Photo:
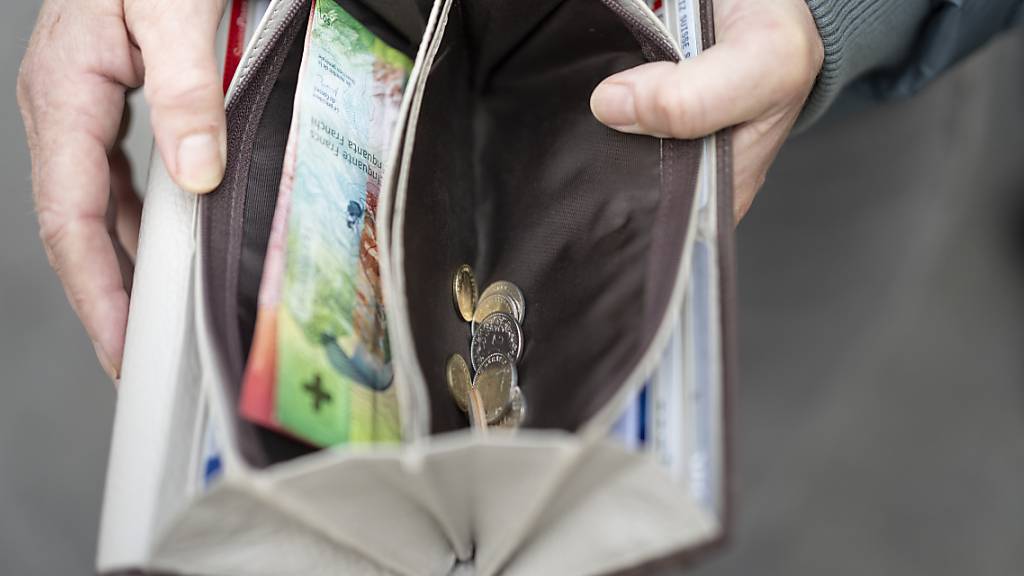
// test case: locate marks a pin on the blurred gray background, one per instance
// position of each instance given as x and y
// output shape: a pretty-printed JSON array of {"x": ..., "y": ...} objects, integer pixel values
[{"x": 880, "y": 417}]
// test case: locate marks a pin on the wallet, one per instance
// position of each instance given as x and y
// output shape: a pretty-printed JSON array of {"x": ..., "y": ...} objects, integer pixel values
[{"x": 622, "y": 244}]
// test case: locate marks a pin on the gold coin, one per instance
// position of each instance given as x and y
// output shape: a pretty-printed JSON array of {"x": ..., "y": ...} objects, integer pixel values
[
  {"x": 464, "y": 292},
  {"x": 491, "y": 304},
  {"x": 495, "y": 380},
  {"x": 510, "y": 291},
  {"x": 459, "y": 380},
  {"x": 516, "y": 413}
]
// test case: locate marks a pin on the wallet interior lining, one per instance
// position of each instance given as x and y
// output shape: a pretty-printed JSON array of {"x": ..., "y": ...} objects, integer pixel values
[
  {"x": 527, "y": 186},
  {"x": 511, "y": 173}
]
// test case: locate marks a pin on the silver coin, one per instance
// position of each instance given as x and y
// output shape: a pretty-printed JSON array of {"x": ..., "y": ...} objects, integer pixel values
[
  {"x": 516, "y": 413},
  {"x": 492, "y": 304},
  {"x": 495, "y": 381},
  {"x": 499, "y": 333},
  {"x": 510, "y": 290}
]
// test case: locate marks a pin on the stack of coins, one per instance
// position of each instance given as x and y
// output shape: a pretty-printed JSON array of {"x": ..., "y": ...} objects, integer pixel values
[{"x": 490, "y": 393}]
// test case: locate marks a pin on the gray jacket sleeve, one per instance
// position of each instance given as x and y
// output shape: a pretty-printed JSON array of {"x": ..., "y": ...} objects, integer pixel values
[{"x": 891, "y": 48}]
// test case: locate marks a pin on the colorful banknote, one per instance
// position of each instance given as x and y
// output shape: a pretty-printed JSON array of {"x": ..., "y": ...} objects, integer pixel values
[{"x": 320, "y": 366}]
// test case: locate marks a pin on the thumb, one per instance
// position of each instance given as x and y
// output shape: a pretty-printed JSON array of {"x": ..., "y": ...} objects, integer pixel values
[
  {"x": 721, "y": 87},
  {"x": 183, "y": 87}
]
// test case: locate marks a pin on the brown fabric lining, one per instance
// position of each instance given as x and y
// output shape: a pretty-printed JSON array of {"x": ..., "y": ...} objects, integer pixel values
[
  {"x": 584, "y": 219},
  {"x": 520, "y": 181}
]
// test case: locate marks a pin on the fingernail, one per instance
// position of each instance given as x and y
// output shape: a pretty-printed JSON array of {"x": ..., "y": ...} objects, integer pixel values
[
  {"x": 200, "y": 162},
  {"x": 112, "y": 371},
  {"x": 613, "y": 105}
]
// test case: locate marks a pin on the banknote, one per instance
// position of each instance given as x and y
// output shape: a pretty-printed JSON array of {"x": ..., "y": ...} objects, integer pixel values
[{"x": 320, "y": 366}]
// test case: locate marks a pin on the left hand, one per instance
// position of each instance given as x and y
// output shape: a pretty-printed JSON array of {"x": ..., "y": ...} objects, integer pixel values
[{"x": 83, "y": 57}]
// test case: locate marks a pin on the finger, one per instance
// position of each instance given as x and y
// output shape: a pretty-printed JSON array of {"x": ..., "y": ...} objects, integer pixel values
[
  {"x": 72, "y": 96},
  {"x": 182, "y": 86},
  {"x": 127, "y": 207},
  {"x": 72, "y": 205},
  {"x": 755, "y": 145},
  {"x": 722, "y": 87}
]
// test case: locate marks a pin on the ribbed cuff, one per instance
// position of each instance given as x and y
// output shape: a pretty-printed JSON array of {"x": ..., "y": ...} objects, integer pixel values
[{"x": 859, "y": 36}]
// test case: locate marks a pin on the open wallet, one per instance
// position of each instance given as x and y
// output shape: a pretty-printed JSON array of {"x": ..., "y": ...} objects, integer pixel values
[{"x": 491, "y": 161}]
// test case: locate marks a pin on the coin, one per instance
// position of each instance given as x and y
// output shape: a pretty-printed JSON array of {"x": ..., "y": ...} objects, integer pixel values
[
  {"x": 499, "y": 333},
  {"x": 513, "y": 292},
  {"x": 516, "y": 413},
  {"x": 491, "y": 304},
  {"x": 464, "y": 292},
  {"x": 495, "y": 381},
  {"x": 459, "y": 380}
]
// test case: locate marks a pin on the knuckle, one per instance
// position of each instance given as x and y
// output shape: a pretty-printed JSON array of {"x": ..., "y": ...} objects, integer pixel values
[
  {"x": 26, "y": 82},
  {"x": 39, "y": 57},
  {"x": 181, "y": 92},
  {"x": 78, "y": 299},
  {"x": 670, "y": 107},
  {"x": 761, "y": 131},
  {"x": 801, "y": 51},
  {"x": 53, "y": 226}
]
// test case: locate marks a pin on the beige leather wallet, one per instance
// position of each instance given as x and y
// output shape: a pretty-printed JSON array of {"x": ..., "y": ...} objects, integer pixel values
[{"x": 621, "y": 243}]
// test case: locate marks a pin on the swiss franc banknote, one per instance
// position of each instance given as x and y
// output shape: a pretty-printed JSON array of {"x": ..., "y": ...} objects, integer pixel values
[{"x": 320, "y": 366}]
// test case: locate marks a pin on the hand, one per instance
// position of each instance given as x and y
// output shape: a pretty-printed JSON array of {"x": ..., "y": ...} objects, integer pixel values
[
  {"x": 83, "y": 56},
  {"x": 757, "y": 78}
]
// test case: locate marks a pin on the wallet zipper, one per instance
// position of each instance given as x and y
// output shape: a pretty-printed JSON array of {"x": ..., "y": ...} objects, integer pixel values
[{"x": 255, "y": 54}]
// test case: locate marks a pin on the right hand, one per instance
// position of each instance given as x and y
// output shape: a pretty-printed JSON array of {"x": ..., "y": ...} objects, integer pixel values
[
  {"x": 83, "y": 57},
  {"x": 756, "y": 78}
]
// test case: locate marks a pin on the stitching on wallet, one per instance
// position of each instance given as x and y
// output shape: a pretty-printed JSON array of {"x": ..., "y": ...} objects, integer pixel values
[{"x": 257, "y": 47}]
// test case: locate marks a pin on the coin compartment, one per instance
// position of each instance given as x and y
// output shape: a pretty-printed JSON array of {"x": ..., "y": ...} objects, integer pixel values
[{"x": 510, "y": 172}]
